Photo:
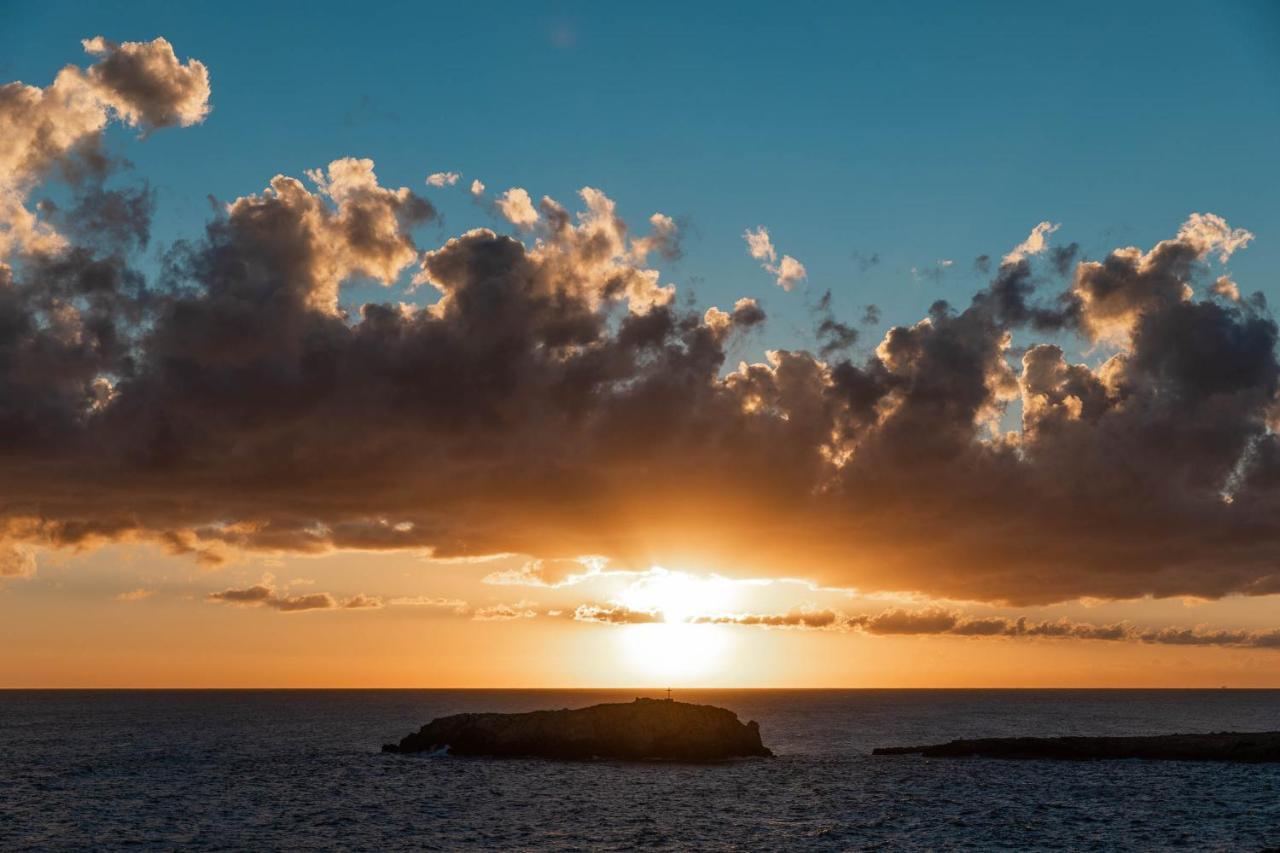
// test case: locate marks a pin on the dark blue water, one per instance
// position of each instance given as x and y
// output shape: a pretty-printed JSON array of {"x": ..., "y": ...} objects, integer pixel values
[{"x": 258, "y": 770}]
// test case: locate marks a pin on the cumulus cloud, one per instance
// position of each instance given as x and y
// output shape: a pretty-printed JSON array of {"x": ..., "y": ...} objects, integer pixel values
[
  {"x": 517, "y": 208},
  {"x": 141, "y": 84},
  {"x": 556, "y": 399},
  {"x": 477, "y": 188},
  {"x": 789, "y": 271},
  {"x": 445, "y": 179}
]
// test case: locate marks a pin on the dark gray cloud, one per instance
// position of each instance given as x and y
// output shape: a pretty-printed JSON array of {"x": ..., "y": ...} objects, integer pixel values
[{"x": 556, "y": 400}]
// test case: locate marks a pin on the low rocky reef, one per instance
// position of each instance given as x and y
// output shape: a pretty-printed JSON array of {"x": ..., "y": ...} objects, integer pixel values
[
  {"x": 1245, "y": 747},
  {"x": 646, "y": 729}
]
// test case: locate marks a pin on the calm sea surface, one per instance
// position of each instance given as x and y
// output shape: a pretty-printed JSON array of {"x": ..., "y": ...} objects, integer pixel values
[{"x": 262, "y": 770}]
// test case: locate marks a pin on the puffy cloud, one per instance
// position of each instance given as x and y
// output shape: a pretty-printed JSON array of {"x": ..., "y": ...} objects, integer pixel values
[
  {"x": 517, "y": 208},
  {"x": 142, "y": 84},
  {"x": 557, "y": 400},
  {"x": 1208, "y": 233},
  {"x": 789, "y": 271},
  {"x": 1036, "y": 242},
  {"x": 146, "y": 85},
  {"x": 445, "y": 179},
  {"x": 477, "y": 188},
  {"x": 1226, "y": 288}
]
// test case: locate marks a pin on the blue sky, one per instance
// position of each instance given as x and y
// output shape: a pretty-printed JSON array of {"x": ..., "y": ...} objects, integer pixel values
[{"x": 915, "y": 133}]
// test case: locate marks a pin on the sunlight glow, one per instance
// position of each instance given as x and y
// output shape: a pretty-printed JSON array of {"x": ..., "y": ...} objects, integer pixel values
[
  {"x": 679, "y": 596},
  {"x": 674, "y": 653}
]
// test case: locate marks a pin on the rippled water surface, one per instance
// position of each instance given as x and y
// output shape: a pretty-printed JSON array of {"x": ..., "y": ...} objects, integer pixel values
[{"x": 301, "y": 770}]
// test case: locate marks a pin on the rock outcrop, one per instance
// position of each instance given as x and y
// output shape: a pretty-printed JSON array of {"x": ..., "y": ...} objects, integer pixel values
[
  {"x": 639, "y": 730},
  {"x": 1248, "y": 747}
]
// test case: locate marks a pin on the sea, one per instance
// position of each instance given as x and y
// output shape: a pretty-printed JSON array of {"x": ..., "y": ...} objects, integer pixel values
[{"x": 302, "y": 770}]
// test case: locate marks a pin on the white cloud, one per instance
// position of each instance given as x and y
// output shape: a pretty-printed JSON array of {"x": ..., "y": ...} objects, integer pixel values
[
  {"x": 789, "y": 271},
  {"x": 1035, "y": 243},
  {"x": 443, "y": 179},
  {"x": 518, "y": 208}
]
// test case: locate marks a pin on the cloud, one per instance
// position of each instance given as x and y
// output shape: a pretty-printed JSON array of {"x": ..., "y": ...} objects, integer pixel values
[
  {"x": 1226, "y": 288},
  {"x": 264, "y": 594},
  {"x": 133, "y": 595},
  {"x": 457, "y": 605},
  {"x": 146, "y": 85},
  {"x": 504, "y": 612},
  {"x": 477, "y": 188},
  {"x": 1036, "y": 242},
  {"x": 932, "y": 273},
  {"x": 615, "y": 614},
  {"x": 549, "y": 573},
  {"x": 1210, "y": 233},
  {"x": 444, "y": 179},
  {"x": 59, "y": 128},
  {"x": 789, "y": 271},
  {"x": 17, "y": 561},
  {"x": 556, "y": 399},
  {"x": 938, "y": 621},
  {"x": 516, "y": 206}
]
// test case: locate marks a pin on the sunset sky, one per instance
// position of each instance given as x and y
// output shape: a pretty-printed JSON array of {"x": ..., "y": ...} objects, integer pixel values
[{"x": 564, "y": 345}]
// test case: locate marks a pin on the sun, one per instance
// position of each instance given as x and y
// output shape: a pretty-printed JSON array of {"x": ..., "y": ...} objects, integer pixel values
[{"x": 677, "y": 649}]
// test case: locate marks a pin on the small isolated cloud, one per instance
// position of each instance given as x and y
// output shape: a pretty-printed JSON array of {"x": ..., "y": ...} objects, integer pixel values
[
  {"x": 457, "y": 605},
  {"x": 360, "y": 601},
  {"x": 443, "y": 179},
  {"x": 549, "y": 573},
  {"x": 932, "y": 273},
  {"x": 789, "y": 271},
  {"x": 135, "y": 594},
  {"x": 264, "y": 594},
  {"x": 477, "y": 188},
  {"x": 505, "y": 612},
  {"x": 517, "y": 208},
  {"x": 1035, "y": 243}
]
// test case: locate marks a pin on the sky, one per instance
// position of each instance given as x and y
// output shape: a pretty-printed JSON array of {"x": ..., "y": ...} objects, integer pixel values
[{"x": 557, "y": 344}]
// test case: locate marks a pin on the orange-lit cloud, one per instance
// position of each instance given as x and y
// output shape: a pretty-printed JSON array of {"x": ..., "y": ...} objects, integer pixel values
[{"x": 557, "y": 400}]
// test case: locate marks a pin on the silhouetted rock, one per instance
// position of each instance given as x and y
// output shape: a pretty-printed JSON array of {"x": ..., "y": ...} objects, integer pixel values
[
  {"x": 643, "y": 729},
  {"x": 1250, "y": 747}
]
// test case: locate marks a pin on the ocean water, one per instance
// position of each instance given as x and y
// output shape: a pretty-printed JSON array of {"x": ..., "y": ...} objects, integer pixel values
[{"x": 265, "y": 770}]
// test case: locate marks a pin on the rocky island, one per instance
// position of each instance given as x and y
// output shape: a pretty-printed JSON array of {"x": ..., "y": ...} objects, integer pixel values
[
  {"x": 645, "y": 729},
  {"x": 1246, "y": 747}
]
